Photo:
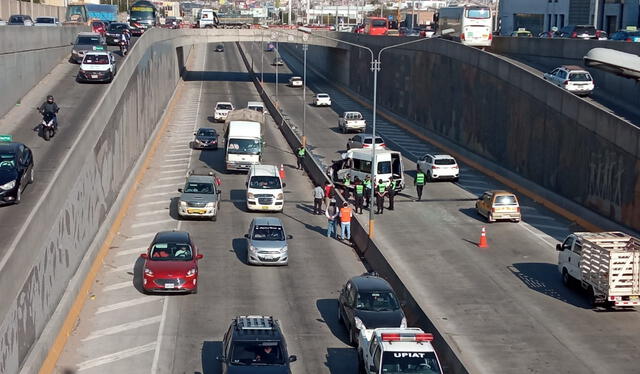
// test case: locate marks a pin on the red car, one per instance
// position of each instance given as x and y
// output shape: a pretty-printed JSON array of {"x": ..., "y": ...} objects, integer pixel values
[
  {"x": 99, "y": 27},
  {"x": 171, "y": 263}
]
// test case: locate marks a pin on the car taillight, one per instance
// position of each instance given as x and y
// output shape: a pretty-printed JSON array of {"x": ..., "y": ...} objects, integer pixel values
[
  {"x": 383, "y": 145},
  {"x": 574, "y": 34},
  {"x": 628, "y": 40},
  {"x": 461, "y": 36},
  {"x": 490, "y": 36},
  {"x": 434, "y": 167},
  {"x": 366, "y": 146},
  {"x": 493, "y": 210},
  {"x": 518, "y": 209}
]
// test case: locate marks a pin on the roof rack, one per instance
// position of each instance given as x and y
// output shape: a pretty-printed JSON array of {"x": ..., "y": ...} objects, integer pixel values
[{"x": 255, "y": 322}]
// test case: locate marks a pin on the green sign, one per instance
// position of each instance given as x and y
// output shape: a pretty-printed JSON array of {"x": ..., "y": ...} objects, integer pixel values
[
  {"x": 6, "y": 138},
  {"x": 98, "y": 48}
]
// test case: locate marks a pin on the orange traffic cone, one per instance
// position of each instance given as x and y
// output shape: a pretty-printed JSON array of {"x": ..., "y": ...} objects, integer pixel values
[
  {"x": 483, "y": 239},
  {"x": 282, "y": 174}
]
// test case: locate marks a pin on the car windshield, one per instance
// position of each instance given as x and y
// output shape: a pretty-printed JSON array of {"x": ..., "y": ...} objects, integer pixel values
[
  {"x": 585, "y": 30},
  {"x": 88, "y": 40},
  {"x": 16, "y": 19},
  {"x": 96, "y": 59},
  {"x": 580, "y": 77},
  {"x": 478, "y": 13},
  {"x": 256, "y": 108},
  {"x": 445, "y": 161},
  {"x": 384, "y": 167},
  {"x": 244, "y": 146},
  {"x": 207, "y": 132},
  {"x": 202, "y": 188},
  {"x": 224, "y": 106},
  {"x": 506, "y": 200},
  {"x": 256, "y": 353},
  {"x": 171, "y": 252},
  {"x": 44, "y": 20},
  {"x": 410, "y": 362},
  {"x": 323, "y": 96},
  {"x": 267, "y": 232},
  {"x": 378, "y": 23},
  {"x": 7, "y": 160},
  {"x": 354, "y": 116},
  {"x": 376, "y": 301},
  {"x": 97, "y": 24},
  {"x": 117, "y": 26},
  {"x": 265, "y": 182},
  {"x": 378, "y": 141}
]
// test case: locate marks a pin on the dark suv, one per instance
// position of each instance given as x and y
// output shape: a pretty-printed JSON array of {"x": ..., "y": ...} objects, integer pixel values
[
  {"x": 578, "y": 32},
  {"x": 255, "y": 344}
]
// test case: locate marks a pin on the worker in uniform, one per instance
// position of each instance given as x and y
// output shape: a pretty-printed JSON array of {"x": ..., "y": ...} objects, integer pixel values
[
  {"x": 346, "y": 182},
  {"x": 391, "y": 192},
  {"x": 300, "y": 152},
  {"x": 381, "y": 191},
  {"x": 345, "y": 221},
  {"x": 419, "y": 183},
  {"x": 358, "y": 189},
  {"x": 367, "y": 190}
]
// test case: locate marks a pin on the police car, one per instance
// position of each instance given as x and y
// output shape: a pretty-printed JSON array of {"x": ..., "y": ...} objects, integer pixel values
[
  {"x": 16, "y": 169},
  {"x": 397, "y": 350}
]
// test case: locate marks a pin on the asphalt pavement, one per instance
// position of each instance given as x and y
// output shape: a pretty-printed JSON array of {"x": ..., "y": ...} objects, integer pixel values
[
  {"x": 504, "y": 308},
  {"x": 122, "y": 330}
]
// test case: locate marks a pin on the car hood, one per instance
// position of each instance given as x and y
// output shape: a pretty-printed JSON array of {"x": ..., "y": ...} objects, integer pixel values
[
  {"x": 258, "y": 370},
  {"x": 373, "y": 320},
  {"x": 268, "y": 244},
  {"x": 8, "y": 175},
  {"x": 170, "y": 268},
  {"x": 198, "y": 197},
  {"x": 92, "y": 67},
  {"x": 206, "y": 138},
  {"x": 84, "y": 47}
]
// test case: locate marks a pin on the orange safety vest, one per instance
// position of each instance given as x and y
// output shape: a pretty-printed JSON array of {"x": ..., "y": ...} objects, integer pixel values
[{"x": 345, "y": 214}]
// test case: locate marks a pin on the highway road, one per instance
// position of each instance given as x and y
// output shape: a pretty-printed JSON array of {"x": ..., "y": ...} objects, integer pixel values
[
  {"x": 76, "y": 101},
  {"x": 122, "y": 330},
  {"x": 503, "y": 309}
]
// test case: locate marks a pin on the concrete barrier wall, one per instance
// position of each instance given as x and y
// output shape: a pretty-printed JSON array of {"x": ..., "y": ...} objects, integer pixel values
[
  {"x": 547, "y": 54},
  {"x": 506, "y": 115},
  {"x": 27, "y": 54},
  {"x": 9, "y": 7},
  {"x": 65, "y": 231}
]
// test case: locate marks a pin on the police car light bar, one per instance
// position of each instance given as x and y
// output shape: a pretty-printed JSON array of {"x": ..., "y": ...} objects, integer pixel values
[{"x": 397, "y": 337}]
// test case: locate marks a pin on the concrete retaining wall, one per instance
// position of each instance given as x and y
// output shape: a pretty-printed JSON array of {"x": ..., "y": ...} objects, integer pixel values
[
  {"x": 506, "y": 115},
  {"x": 9, "y": 7},
  {"x": 65, "y": 230},
  {"x": 27, "y": 54}
]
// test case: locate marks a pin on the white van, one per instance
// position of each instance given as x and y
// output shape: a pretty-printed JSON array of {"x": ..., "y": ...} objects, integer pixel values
[
  {"x": 258, "y": 106},
  {"x": 357, "y": 163},
  {"x": 243, "y": 145},
  {"x": 264, "y": 188}
]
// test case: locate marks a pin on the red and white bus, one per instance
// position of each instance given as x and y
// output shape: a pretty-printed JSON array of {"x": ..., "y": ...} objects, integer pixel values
[{"x": 376, "y": 26}]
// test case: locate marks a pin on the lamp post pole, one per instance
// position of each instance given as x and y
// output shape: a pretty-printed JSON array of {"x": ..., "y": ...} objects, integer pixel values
[
  {"x": 305, "y": 47},
  {"x": 277, "y": 63}
]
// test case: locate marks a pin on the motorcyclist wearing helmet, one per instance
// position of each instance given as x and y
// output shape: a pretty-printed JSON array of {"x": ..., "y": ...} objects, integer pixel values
[{"x": 51, "y": 108}]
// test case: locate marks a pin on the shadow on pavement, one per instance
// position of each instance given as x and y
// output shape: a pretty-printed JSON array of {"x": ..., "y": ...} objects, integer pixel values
[
  {"x": 210, "y": 352},
  {"x": 342, "y": 360},
  {"x": 328, "y": 309},
  {"x": 137, "y": 274},
  {"x": 216, "y": 76},
  {"x": 238, "y": 197},
  {"x": 239, "y": 246}
]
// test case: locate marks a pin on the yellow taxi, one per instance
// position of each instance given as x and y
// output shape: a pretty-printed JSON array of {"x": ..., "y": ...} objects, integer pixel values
[
  {"x": 498, "y": 205},
  {"x": 522, "y": 33}
]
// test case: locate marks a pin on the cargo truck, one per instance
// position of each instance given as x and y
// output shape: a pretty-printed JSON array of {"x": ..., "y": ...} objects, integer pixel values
[
  {"x": 605, "y": 264},
  {"x": 243, "y": 139}
]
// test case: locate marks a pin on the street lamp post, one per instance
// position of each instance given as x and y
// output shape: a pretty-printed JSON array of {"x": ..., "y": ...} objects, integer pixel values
[
  {"x": 277, "y": 63},
  {"x": 262, "y": 58},
  {"x": 375, "y": 68},
  {"x": 305, "y": 47}
]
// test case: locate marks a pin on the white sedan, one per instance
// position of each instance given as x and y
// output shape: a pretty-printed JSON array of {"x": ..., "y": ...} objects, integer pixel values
[
  {"x": 439, "y": 167},
  {"x": 322, "y": 99},
  {"x": 295, "y": 82}
]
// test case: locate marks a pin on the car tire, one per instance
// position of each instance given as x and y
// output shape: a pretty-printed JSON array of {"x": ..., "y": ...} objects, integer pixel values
[
  {"x": 31, "y": 176},
  {"x": 567, "y": 279},
  {"x": 456, "y": 179},
  {"x": 361, "y": 366},
  {"x": 429, "y": 177},
  {"x": 18, "y": 196},
  {"x": 214, "y": 218},
  {"x": 490, "y": 218},
  {"x": 194, "y": 291}
]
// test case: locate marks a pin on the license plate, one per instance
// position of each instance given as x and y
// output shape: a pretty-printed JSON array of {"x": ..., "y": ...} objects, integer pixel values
[
  {"x": 195, "y": 211},
  {"x": 634, "y": 298},
  {"x": 265, "y": 208},
  {"x": 94, "y": 76},
  {"x": 169, "y": 285}
]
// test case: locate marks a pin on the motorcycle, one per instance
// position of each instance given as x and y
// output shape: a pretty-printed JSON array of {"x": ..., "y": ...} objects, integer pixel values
[
  {"x": 48, "y": 126},
  {"x": 124, "y": 47}
]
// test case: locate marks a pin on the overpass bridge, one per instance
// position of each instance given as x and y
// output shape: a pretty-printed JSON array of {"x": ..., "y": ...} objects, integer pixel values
[{"x": 581, "y": 158}]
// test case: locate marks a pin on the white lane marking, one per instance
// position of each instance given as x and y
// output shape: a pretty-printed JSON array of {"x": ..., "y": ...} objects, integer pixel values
[
  {"x": 142, "y": 236},
  {"x": 524, "y": 207},
  {"x": 170, "y": 178},
  {"x": 177, "y": 153},
  {"x": 157, "y": 186},
  {"x": 127, "y": 304},
  {"x": 120, "y": 268},
  {"x": 175, "y": 166},
  {"x": 165, "y": 307},
  {"x": 173, "y": 159},
  {"x": 539, "y": 235},
  {"x": 122, "y": 328},
  {"x": 152, "y": 212},
  {"x": 476, "y": 184},
  {"x": 131, "y": 251},
  {"x": 175, "y": 162},
  {"x": 143, "y": 224},
  {"x": 173, "y": 171},
  {"x": 117, "y": 286},
  {"x": 153, "y": 203},
  {"x": 113, "y": 357},
  {"x": 158, "y": 194}
]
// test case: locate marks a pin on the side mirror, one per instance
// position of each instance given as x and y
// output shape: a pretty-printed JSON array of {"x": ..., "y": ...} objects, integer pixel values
[
  {"x": 559, "y": 247},
  {"x": 246, "y": 236},
  {"x": 199, "y": 256},
  {"x": 179, "y": 189},
  {"x": 289, "y": 236},
  {"x": 293, "y": 358},
  {"x": 144, "y": 255},
  {"x": 284, "y": 185}
]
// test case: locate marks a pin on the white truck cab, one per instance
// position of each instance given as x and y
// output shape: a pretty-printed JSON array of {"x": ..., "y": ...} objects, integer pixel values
[
  {"x": 397, "y": 350},
  {"x": 264, "y": 188}
]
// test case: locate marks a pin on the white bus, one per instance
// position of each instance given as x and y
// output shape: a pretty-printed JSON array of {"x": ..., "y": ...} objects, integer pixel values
[{"x": 468, "y": 24}]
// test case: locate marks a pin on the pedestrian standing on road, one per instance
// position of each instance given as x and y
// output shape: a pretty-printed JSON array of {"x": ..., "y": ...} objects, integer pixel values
[
  {"x": 329, "y": 193},
  {"x": 391, "y": 192},
  {"x": 381, "y": 192},
  {"x": 367, "y": 190},
  {"x": 318, "y": 196},
  {"x": 332, "y": 214},
  {"x": 358, "y": 189},
  {"x": 346, "y": 183},
  {"x": 300, "y": 152},
  {"x": 419, "y": 183},
  {"x": 345, "y": 221},
  {"x": 217, "y": 180}
]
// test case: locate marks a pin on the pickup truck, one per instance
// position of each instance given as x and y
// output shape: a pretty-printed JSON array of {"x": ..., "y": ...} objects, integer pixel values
[
  {"x": 200, "y": 196},
  {"x": 605, "y": 264},
  {"x": 351, "y": 121},
  {"x": 384, "y": 350}
]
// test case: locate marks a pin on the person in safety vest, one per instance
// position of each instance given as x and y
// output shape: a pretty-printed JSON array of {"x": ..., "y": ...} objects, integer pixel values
[
  {"x": 358, "y": 192},
  {"x": 419, "y": 183},
  {"x": 367, "y": 190},
  {"x": 300, "y": 152},
  {"x": 345, "y": 221},
  {"x": 381, "y": 192},
  {"x": 391, "y": 192}
]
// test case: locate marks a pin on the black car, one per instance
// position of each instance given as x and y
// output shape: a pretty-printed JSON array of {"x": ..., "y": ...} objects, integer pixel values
[
  {"x": 220, "y": 48},
  {"x": 371, "y": 300},
  {"x": 136, "y": 31},
  {"x": 206, "y": 138},
  {"x": 20, "y": 20},
  {"x": 278, "y": 61},
  {"x": 114, "y": 32},
  {"x": 254, "y": 345},
  {"x": 578, "y": 32},
  {"x": 16, "y": 171}
]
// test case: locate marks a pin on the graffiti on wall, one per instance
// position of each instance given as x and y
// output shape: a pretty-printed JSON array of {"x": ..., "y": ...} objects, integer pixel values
[{"x": 604, "y": 185}]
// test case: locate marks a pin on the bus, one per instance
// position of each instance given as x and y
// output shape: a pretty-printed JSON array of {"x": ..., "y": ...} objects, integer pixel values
[
  {"x": 81, "y": 13},
  {"x": 376, "y": 26},
  {"x": 468, "y": 24},
  {"x": 143, "y": 15}
]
